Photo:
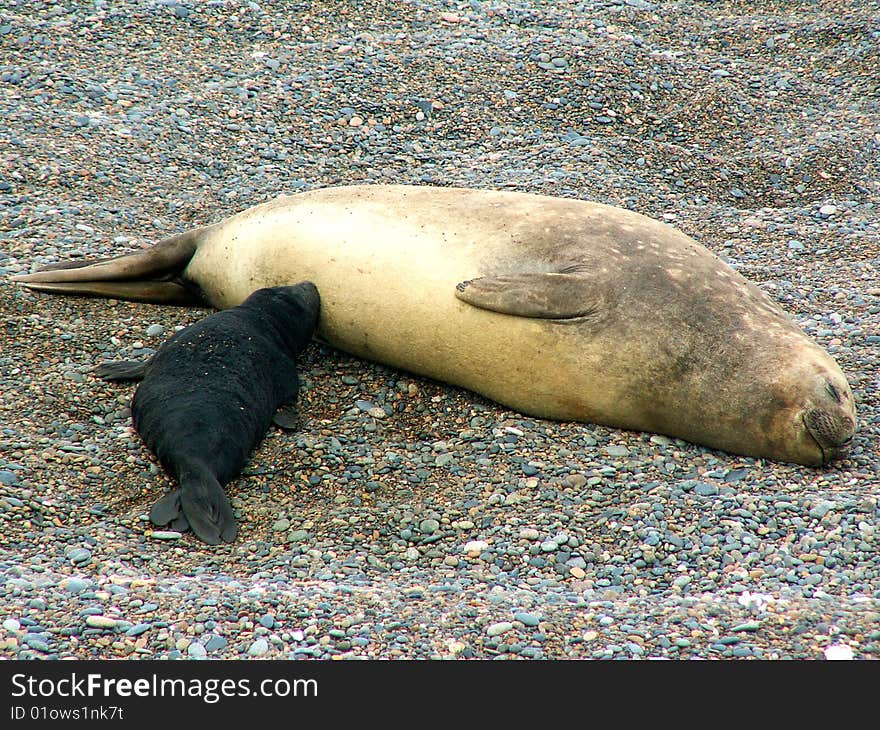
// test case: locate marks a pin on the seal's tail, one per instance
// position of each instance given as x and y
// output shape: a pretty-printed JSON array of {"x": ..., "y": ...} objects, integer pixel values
[
  {"x": 200, "y": 504},
  {"x": 152, "y": 276}
]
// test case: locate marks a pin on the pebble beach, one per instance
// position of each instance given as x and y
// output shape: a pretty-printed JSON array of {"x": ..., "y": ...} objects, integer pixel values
[{"x": 405, "y": 518}]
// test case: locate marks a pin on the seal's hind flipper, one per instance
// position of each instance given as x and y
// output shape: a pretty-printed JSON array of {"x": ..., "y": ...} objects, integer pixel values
[
  {"x": 286, "y": 417},
  {"x": 179, "y": 523},
  {"x": 543, "y": 296},
  {"x": 207, "y": 510},
  {"x": 147, "y": 292},
  {"x": 150, "y": 276},
  {"x": 121, "y": 370},
  {"x": 166, "y": 509}
]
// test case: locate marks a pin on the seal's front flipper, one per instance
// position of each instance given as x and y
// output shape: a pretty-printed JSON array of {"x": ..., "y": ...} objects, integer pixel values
[
  {"x": 542, "y": 296},
  {"x": 121, "y": 370},
  {"x": 286, "y": 417}
]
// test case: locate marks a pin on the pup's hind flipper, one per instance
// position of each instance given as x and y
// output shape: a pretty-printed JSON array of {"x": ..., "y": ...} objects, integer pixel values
[
  {"x": 167, "y": 510},
  {"x": 207, "y": 510}
]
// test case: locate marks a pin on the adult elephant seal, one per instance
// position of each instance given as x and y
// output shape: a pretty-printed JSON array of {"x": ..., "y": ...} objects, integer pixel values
[
  {"x": 558, "y": 308},
  {"x": 208, "y": 395}
]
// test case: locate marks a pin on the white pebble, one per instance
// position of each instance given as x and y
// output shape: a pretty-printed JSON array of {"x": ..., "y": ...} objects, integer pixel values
[
  {"x": 836, "y": 652},
  {"x": 475, "y": 547}
]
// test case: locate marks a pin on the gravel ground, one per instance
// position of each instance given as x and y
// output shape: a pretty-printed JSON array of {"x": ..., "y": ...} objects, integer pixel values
[{"x": 406, "y": 518}]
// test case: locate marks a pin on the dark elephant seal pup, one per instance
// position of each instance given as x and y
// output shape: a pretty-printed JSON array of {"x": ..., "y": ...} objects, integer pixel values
[
  {"x": 558, "y": 308},
  {"x": 208, "y": 396}
]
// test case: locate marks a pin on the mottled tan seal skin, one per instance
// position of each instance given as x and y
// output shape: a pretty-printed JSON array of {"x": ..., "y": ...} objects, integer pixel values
[{"x": 558, "y": 308}]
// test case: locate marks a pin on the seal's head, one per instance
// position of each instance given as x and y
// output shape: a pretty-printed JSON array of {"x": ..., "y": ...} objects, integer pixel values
[
  {"x": 290, "y": 311},
  {"x": 818, "y": 415},
  {"x": 829, "y": 417}
]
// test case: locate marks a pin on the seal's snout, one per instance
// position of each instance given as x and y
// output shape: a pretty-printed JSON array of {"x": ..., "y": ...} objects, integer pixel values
[
  {"x": 833, "y": 432},
  {"x": 310, "y": 295}
]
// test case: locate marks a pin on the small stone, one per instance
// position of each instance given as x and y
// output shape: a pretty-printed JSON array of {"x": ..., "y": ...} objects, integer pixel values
[
  {"x": 137, "y": 629},
  {"x": 79, "y": 555},
  {"x": 166, "y": 535},
  {"x": 821, "y": 509},
  {"x": 591, "y": 635},
  {"x": 529, "y": 533},
  {"x": 828, "y": 210},
  {"x": 615, "y": 450},
  {"x": 428, "y": 527},
  {"x": 101, "y": 622},
  {"x": 281, "y": 525},
  {"x": 155, "y": 330},
  {"x": 196, "y": 651},
  {"x": 74, "y": 585},
  {"x": 215, "y": 643},
  {"x": 838, "y": 652},
  {"x": 11, "y": 624},
  {"x": 705, "y": 489},
  {"x": 577, "y": 572},
  {"x": 499, "y": 628},
  {"x": 748, "y": 626},
  {"x": 529, "y": 619},
  {"x": 37, "y": 642},
  {"x": 259, "y": 648},
  {"x": 475, "y": 547},
  {"x": 267, "y": 620}
]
